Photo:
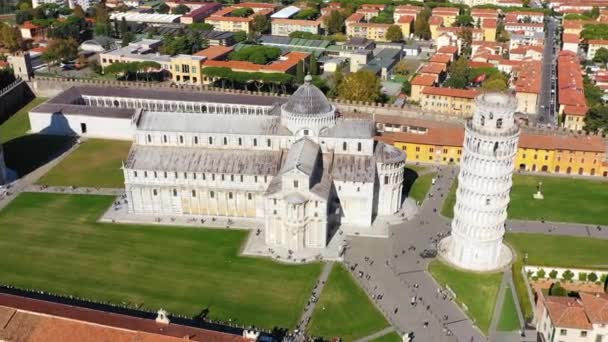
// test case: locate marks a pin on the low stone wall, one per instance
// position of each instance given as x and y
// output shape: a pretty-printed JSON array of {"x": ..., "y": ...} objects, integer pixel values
[{"x": 13, "y": 97}]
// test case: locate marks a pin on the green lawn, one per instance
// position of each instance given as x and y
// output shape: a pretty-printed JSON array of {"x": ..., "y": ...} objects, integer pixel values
[
  {"x": 51, "y": 242},
  {"x": 448, "y": 205},
  {"x": 509, "y": 321},
  {"x": 478, "y": 291},
  {"x": 344, "y": 310},
  {"x": 590, "y": 199},
  {"x": 95, "y": 163},
  {"x": 552, "y": 250},
  {"x": 421, "y": 186},
  {"x": 19, "y": 123},
  {"x": 416, "y": 168},
  {"x": 390, "y": 337}
]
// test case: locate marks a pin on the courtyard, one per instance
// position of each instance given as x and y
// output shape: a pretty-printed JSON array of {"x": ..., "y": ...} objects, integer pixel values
[
  {"x": 200, "y": 271},
  {"x": 95, "y": 163},
  {"x": 475, "y": 292},
  {"x": 345, "y": 310},
  {"x": 590, "y": 196}
]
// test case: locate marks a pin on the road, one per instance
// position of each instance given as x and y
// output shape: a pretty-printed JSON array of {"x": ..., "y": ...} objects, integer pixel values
[{"x": 546, "y": 110}]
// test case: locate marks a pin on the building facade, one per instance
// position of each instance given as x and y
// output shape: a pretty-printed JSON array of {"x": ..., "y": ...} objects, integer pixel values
[
  {"x": 484, "y": 183},
  {"x": 298, "y": 167}
]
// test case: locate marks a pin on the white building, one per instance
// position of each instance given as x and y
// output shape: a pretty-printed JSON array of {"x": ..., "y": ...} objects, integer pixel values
[
  {"x": 36, "y": 3},
  {"x": 484, "y": 182},
  {"x": 570, "y": 319},
  {"x": 292, "y": 164}
]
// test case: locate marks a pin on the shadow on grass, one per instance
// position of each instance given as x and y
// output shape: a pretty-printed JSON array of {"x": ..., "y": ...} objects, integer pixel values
[
  {"x": 27, "y": 153},
  {"x": 409, "y": 178}
]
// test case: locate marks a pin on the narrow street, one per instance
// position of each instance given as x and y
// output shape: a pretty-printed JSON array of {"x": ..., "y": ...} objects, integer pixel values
[{"x": 546, "y": 110}]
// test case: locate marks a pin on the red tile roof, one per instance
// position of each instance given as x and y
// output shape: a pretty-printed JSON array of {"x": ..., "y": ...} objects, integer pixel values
[
  {"x": 29, "y": 25},
  {"x": 404, "y": 19},
  {"x": 214, "y": 51},
  {"x": 451, "y": 92},
  {"x": 441, "y": 58},
  {"x": 489, "y": 23},
  {"x": 435, "y": 20},
  {"x": 567, "y": 312},
  {"x": 424, "y": 80},
  {"x": 448, "y": 49},
  {"x": 433, "y": 68},
  {"x": 445, "y": 11},
  {"x": 570, "y": 38},
  {"x": 598, "y": 42},
  {"x": 474, "y": 64},
  {"x": 596, "y": 306},
  {"x": 570, "y": 84},
  {"x": 284, "y": 64}
]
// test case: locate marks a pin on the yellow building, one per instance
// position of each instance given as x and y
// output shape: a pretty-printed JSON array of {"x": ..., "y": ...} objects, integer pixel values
[
  {"x": 448, "y": 14},
  {"x": 458, "y": 102},
  {"x": 442, "y": 144},
  {"x": 187, "y": 69},
  {"x": 419, "y": 82},
  {"x": 489, "y": 29}
]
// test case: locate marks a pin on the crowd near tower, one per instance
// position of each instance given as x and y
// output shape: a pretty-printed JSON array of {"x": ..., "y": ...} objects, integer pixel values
[{"x": 484, "y": 183}]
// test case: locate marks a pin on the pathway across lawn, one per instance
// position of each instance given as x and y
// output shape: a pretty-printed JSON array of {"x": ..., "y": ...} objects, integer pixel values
[
  {"x": 477, "y": 291},
  {"x": 344, "y": 310},
  {"x": 95, "y": 163},
  {"x": 52, "y": 243},
  {"x": 509, "y": 321},
  {"x": 390, "y": 337}
]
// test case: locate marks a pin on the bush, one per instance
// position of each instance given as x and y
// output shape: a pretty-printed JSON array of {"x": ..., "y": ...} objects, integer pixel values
[
  {"x": 541, "y": 273},
  {"x": 604, "y": 278},
  {"x": 553, "y": 274},
  {"x": 582, "y": 276},
  {"x": 529, "y": 274},
  {"x": 592, "y": 277},
  {"x": 256, "y": 54},
  {"x": 567, "y": 275},
  {"x": 557, "y": 290}
]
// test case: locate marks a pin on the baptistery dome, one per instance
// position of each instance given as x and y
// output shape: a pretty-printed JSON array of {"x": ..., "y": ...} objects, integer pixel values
[{"x": 307, "y": 111}]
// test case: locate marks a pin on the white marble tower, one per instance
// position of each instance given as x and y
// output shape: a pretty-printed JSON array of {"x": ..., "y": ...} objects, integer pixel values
[{"x": 484, "y": 182}]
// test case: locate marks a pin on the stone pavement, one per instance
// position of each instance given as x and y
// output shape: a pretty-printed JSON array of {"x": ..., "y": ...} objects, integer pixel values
[
  {"x": 73, "y": 190},
  {"x": 558, "y": 228},
  {"x": 316, "y": 293}
]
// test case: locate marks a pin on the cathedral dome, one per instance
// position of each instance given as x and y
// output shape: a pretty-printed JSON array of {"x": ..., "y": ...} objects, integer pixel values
[{"x": 307, "y": 100}]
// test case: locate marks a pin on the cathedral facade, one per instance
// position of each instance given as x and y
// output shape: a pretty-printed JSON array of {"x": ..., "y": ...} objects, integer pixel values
[{"x": 296, "y": 166}]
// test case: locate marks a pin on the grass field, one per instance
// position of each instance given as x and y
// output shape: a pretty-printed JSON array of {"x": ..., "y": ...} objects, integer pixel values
[
  {"x": 390, "y": 337},
  {"x": 416, "y": 168},
  {"x": 478, "y": 291},
  {"x": 95, "y": 163},
  {"x": 421, "y": 186},
  {"x": 344, "y": 309},
  {"x": 52, "y": 243},
  {"x": 508, "y": 316},
  {"x": 19, "y": 123},
  {"x": 448, "y": 205},
  {"x": 552, "y": 250},
  {"x": 591, "y": 198}
]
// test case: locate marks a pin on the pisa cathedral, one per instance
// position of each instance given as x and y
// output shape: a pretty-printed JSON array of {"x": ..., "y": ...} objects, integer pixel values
[{"x": 292, "y": 163}]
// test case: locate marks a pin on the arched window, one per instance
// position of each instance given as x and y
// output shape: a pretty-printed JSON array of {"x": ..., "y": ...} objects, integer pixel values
[
  {"x": 134, "y": 173},
  {"x": 240, "y": 141},
  {"x": 580, "y": 170},
  {"x": 181, "y": 139},
  {"x": 592, "y": 172},
  {"x": 211, "y": 194},
  {"x": 385, "y": 179},
  {"x": 116, "y": 103},
  {"x": 557, "y": 168},
  {"x": 155, "y": 192},
  {"x": 344, "y": 146},
  {"x": 193, "y": 193},
  {"x": 165, "y": 138},
  {"x": 359, "y": 146},
  {"x": 499, "y": 123},
  {"x": 149, "y": 138},
  {"x": 210, "y": 140},
  {"x": 255, "y": 142},
  {"x": 268, "y": 142},
  {"x": 174, "y": 192},
  {"x": 196, "y": 140},
  {"x": 225, "y": 141},
  {"x": 569, "y": 170},
  {"x": 483, "y": 120}
]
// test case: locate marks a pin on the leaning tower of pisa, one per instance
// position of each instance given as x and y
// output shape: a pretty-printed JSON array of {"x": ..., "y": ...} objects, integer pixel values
[{"x": 484, "y": 182}]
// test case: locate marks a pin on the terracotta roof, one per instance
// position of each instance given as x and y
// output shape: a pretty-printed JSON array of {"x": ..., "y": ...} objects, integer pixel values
[
  {"x": 596, "y": 306},
  {"x": 572, "y": 24},
  {"x": 433, "y": 68},
  {"x": 355, "y": 17},
  {"x": 567, "y": 312},
  {"x": 489, "y": 23},
  {"x": 374, "y": 6},
  {"x": 285, "y": 63},
  {"x": 570, "y": 38},
  {"x": 441, "y": 58},
  {"x": 598, "y": 42},
  {"x": 424, "y": 80},
  {"x": 214, "y": 51},
  {"x": 30, "y": 320},
  {"x": 404, "y": 19},
  {"x": 570, "y": 84},
  {"x": 474, "y": 64},
  {"x": 448, "y": 49},
  {"x": 451, "y": 92},
  {"x": 437, "y": 136},
  {"x": 484, "y": 12},
  {"x": 40, "y": 49},
  {"x": 255, "y": 5},
  {"x": 524, "y": 25},
  {"x": 449, "y": 11},
  {"x": 523, "y": 49},
  {"x": 29, "y": 25},
  {"x": 435, "y": 20}
]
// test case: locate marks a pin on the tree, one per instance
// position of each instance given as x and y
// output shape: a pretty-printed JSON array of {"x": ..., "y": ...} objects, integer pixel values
[
  {"x": 557, "y": 290},
  {"x": 163, "y": 8},
  {"x": 362, "y": 85},
  {"x": 467, "y": 40},
  {"x": 421, "y": 25},
  {"x": 597, "y": 119},
  {"x": 394, "y": 34},
  {"x": 334, "y": 22},
  {"x": 406, "y": 87},
  {"x": 313, "y": 67},
  {"x": 300, "y": 73},
  {"x": 567, "y": 275},
  {"x": 464, "y": 20},
  {"x": 553, "y": 274},
  {"x": 181, "y": 9},
  {"x": 592, "y": 277},
  {"x": 495, "y": 84},
  {"x": 124, "y": 27},
  {"x": 307, "y": 14},
  {"x": 201, "y": 27},
  {"x": 257, "y": 54},
  {"x": 541, "y": 274},
  {"x": 60, "y": 49},
  {"x": 459, "y": 72},
  {"x": 260, "y": 24},
  {"x": 127, "y": 38},
  {"x": 10, "y": 37},
  {"x": 402, "y": 68},
  {"x": 601, "y": 56},
  {"x": 240, "y": 36},
  {"x": 242, "y": 12},
  {"x": 582, "y": 276},
  {"x": 79, "y": 12}
]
